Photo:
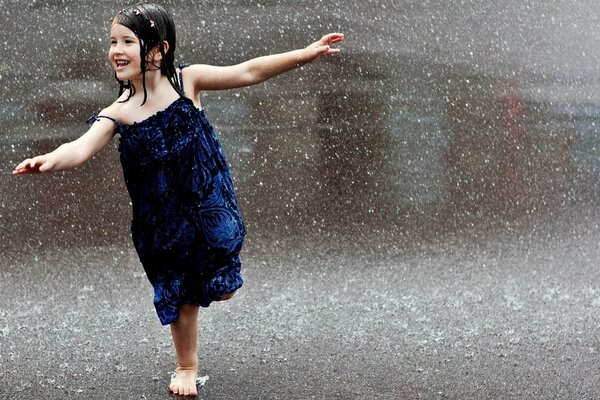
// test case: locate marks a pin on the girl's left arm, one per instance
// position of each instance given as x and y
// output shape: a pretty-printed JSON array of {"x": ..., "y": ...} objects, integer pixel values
[{"x": 257, "y": 70}]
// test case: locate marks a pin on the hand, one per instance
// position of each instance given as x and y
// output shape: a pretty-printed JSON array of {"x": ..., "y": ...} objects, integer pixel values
[
  {"x": 34, "y": 165},
  {"x": 323, "y": 47}
]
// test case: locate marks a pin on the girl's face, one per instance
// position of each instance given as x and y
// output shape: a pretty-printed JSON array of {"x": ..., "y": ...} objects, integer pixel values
[{"x": 124, "y": 52}]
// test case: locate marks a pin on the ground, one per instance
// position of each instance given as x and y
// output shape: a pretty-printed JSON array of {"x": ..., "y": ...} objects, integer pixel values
[{"x": 505, "y": 312}]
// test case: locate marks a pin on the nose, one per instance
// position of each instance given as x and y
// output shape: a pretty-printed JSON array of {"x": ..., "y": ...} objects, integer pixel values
[{"x": 115, "y": 49}]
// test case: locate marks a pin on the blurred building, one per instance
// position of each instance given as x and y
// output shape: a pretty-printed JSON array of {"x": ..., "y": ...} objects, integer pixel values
[{"x": 430, "y": 114}]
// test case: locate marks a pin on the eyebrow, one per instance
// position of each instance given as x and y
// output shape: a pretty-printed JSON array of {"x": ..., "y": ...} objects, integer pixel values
[{"x": 126, "y": 37}]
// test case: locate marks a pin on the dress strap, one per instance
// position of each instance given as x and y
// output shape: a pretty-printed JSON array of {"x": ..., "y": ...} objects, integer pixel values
[
  {"x": 95, "y": 117},
  {"x": 181, "y": 67}
]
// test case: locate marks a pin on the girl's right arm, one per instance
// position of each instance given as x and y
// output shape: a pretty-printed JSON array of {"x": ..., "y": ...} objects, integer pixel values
[{"x": 72, "y": 154}]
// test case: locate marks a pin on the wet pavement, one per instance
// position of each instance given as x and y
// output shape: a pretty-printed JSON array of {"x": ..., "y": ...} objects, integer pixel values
[{"x": 505, "y": 311}]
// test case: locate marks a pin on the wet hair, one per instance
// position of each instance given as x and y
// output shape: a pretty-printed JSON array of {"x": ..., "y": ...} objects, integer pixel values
[{"x": 152, "y": 25}]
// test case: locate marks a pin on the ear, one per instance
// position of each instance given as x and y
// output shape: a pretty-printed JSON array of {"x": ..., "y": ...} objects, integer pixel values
[{"x": 155, "y": 54}]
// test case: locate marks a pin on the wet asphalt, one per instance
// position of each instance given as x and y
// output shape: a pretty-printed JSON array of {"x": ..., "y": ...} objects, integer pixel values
[{"x": 489, "y": 312}]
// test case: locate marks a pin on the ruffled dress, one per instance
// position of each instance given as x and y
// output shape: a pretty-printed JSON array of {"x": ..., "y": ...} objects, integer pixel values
[{"x": 186, "y": 227}]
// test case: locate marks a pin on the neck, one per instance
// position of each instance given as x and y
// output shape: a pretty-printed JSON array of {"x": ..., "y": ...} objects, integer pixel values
[{"x": 154, "y": 80}]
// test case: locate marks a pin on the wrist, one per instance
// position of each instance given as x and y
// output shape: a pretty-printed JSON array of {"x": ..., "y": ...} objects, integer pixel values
[{"x": 303, "y": 56}]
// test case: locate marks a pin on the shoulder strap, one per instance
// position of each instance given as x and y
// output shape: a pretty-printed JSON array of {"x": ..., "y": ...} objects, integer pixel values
[
  {"x": 95, "y": 117},
  {"x": 181, "y": 67}
]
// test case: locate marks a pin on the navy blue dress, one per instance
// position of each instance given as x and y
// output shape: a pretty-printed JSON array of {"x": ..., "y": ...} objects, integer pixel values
[{"x": 186, "y": 227}]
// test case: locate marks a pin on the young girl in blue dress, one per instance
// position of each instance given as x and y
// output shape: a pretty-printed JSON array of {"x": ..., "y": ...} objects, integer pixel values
[{"x": 186, "y": 226}]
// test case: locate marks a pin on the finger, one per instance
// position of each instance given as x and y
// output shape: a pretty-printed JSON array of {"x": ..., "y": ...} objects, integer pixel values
[
  {"x": 323, "y": 50},
  {"x": 333, "y": 38},
  {"x": 22, "y": 170},
  {"x": 327, "y": 50},
  {"x": 336, "y": 39},
  {"x": 44, "y": 167},
  {"x": 29, "y": 165},
  {"x": 23, "y": 163},
  {"x": 22, "y": 166}
]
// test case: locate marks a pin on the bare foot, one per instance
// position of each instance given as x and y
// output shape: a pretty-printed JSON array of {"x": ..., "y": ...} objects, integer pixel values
[{"x": 183, "y": 382}]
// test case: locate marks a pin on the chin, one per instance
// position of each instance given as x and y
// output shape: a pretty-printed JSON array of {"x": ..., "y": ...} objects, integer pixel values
[{"x": 123, "y": 76}]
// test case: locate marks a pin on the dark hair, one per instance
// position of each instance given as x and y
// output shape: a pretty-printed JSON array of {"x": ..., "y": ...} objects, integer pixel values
[{"x": 152, "y": 24}]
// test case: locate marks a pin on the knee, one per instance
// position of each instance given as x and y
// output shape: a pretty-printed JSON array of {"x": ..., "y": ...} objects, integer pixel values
[{"x": 226, "y": 296}]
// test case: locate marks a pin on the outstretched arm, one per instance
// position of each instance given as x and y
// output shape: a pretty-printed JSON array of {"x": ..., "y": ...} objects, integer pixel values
[
  {"x": 257, "y": 70},
  {"x": 72, "y": 154}
]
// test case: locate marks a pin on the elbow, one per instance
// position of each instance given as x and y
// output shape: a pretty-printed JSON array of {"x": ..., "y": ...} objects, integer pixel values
[
  {"x": 80, "y": 156},
  {"x": 252, "y": 76}
]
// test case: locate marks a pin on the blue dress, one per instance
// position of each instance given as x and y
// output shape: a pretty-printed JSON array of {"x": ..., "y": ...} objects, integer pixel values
[{"x": 186, "y": 227}]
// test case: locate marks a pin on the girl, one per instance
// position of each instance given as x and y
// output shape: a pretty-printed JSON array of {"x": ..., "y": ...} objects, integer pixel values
[{"x": 186, "y": 227}]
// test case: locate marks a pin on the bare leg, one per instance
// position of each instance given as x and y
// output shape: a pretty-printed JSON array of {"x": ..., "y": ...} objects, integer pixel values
[
  {"x": 185, "y": 339},
  {"x": 226, "y": 296}
]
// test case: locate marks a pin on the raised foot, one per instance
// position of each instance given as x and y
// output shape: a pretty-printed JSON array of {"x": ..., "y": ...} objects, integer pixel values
[{"x": 183, "y": 382}]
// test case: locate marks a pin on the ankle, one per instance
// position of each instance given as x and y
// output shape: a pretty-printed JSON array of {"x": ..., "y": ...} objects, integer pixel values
[{"x": 187, "y": 367}]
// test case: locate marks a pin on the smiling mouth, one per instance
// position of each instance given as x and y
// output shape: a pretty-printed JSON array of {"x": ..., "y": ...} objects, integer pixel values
[{"x": 121, "y": 63}]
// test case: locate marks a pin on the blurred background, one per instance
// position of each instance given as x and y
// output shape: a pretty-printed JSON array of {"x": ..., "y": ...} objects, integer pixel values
[{"x": 437, "y": 116}]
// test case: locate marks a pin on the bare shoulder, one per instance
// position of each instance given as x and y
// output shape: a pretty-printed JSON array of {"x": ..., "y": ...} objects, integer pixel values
[
  {"x": 192, "y": 75},
  {"x": 117, "y": 110},
  {"x": 195, "y": 70}
]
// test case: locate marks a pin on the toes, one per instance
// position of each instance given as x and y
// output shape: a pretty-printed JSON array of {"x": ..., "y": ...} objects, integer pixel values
[
  {"x": 182, "y": 390},
  {"x": 175, "y": 389},
  {"x": 189, "y": 391}
]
